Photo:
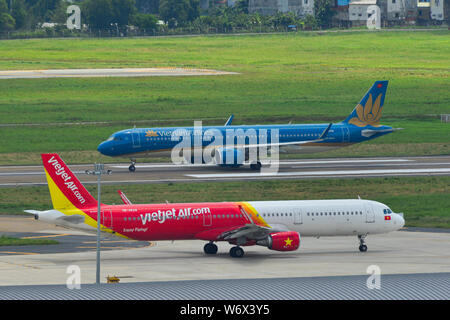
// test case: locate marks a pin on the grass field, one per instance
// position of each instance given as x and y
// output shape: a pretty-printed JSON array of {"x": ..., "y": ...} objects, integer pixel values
[
  {"x": 11, "y": 241},
  {"x": 298, "y": 77},
  {"x": 303, "y": 77},
  {"x": 424, "y": 201}
]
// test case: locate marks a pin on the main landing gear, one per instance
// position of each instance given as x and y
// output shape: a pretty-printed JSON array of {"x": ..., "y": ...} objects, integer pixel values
[
  {"x": 256, "y": 166},
  {"x": 235, "y": 252},
  {"x": 210, "y": 248},
  {"x": 362, "y": 243},
  {"x": 132, "y": 168}
]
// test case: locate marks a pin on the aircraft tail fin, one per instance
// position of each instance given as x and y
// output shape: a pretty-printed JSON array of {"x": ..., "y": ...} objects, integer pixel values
[
  {"x": 369, "y": 109},
  {"x": 65, "y": 189}
]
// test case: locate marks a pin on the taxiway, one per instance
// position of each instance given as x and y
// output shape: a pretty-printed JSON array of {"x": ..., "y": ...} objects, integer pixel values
[{"x": 287, "y": 169}]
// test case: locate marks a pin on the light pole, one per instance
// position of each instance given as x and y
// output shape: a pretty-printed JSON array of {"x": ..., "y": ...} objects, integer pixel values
[{"x": 99, "y": 169}]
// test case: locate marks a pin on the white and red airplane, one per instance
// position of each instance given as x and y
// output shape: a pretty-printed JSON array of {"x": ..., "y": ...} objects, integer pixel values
[{"x": 273, "y": 224}]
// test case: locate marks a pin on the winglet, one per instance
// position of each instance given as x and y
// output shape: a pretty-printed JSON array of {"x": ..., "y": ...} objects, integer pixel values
[
  {"x": 230, "y": 119},
  {"x": 325, "y": 132},
  {"x": 124, "y": 198}
]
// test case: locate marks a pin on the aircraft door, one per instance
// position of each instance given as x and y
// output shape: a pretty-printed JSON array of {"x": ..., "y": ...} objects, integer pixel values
[
  {"x": 345, "y": 134},
  {"x": 136, "y": 138},
  {"x": 297, "y": 216},
  {"x": 370, "y": 216},
  {"x": 106, "y": 220},
  {"x": 207, "y": 218}
]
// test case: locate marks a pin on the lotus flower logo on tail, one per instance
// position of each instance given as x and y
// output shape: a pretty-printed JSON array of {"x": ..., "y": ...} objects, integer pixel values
[
  {"x": 370, "y": 114},
  {"x": 368, "y": 110}
]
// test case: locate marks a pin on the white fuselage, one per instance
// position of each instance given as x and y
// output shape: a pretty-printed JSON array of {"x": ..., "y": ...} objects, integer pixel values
[{"x": 329, "y": 217}]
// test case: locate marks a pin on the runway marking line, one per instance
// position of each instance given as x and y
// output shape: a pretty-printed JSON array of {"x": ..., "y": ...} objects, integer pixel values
[
  {"x": 24, "y": 253},
  {"x": 319, "y": 173},
  {"x": 49, "y": 236}
]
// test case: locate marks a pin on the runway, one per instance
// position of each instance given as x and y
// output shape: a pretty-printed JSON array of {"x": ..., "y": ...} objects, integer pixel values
[
  {"x": 11, "y": 176},
  {"x": 118, "y": 72}
]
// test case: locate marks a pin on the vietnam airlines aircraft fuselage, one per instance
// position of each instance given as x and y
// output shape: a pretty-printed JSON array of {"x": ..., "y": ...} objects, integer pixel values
[
  {"x": 230, "y": 145},
  {"x": 142, "y": 142}
]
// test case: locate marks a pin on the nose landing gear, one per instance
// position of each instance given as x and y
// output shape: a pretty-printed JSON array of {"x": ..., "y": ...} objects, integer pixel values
[
  {"x": 362, "y": 243},
  {"x": 132, "y": 168}
]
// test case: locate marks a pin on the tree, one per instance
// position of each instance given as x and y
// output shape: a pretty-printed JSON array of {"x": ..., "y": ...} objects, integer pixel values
[
  {"x": 98, "y": 13},
  {"x": 241, "y": 6},
  {"x": 179, "y": 12},
  {"x": 323, "y": 12},
  {"x": 147, "y": 6},
  {"x": 43, "y": 9},
  {"x": 3, "y": 6},
  {"x": 145, "y": 21},
  {"x": 19, "y": 13},
  {"x": 123, "y": 11},
  {"x": 7, "y": 22}
]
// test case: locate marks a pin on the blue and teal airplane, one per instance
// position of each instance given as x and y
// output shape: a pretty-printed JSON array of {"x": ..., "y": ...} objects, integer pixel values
[{"x": 230, "y": 144}]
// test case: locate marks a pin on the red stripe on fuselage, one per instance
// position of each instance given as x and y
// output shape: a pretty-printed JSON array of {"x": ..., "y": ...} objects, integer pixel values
[{"x": 170, "y": 221}]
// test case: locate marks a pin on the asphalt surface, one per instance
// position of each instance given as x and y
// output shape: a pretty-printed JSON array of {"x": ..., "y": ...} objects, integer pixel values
[
  {"x": 394, "y": 253},
  {"x": 292, "y": 169},
  {"x": 119, "y": 72},
  {"x": 67, "y": 242}
]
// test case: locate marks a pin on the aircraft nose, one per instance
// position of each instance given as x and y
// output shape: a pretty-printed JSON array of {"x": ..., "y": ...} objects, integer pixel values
[
  {"x": 400, "y": 220},
  {"x": 103, "y": 148}
]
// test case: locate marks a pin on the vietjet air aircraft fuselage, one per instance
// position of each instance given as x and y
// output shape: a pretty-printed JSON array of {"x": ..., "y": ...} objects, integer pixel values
[
  {"x": 229, "y": 145},
  {"x": 274, "y": 224}
]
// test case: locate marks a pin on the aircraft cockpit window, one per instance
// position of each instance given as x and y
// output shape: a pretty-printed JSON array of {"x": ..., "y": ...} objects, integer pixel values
[{"x": 110, "y": 138}]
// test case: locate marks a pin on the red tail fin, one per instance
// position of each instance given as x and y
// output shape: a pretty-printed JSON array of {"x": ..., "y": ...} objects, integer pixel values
[{"x": 64, "y": 185}]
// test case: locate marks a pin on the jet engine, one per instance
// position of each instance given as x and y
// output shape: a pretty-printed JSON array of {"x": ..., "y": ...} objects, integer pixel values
[{"x": 281, "y": 241}]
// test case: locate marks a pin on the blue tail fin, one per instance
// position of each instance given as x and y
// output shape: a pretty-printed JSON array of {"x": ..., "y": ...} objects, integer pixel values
[{"x": 369, "y": 109}]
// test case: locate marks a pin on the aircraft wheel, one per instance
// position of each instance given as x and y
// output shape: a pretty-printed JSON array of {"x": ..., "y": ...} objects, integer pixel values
[
  {"x": 236, "y": 252},
  {"x": 256, "y": 166},
  {"x": 210, "y": 248},
  {"x": 363, "y": 248},
  {"x": 132, "y": 168}
]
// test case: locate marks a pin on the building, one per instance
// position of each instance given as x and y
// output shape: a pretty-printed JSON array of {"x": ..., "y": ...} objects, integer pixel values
[
  {"x": 357, "y": 11},
  {"x": 270, "y": 7},
  {"x": 396, "y": 10},
  {"x": 340, "y": 18},
  {"x": 437, "y": 10},
  {"x": 423, "y": 12}
]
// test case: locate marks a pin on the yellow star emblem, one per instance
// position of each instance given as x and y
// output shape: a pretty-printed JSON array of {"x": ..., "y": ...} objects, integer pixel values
[
  {"x": 151, "y": 133},
  {"x": 288, "y": 241}
]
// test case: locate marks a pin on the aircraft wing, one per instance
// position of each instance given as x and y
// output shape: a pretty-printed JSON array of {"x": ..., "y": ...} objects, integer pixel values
[
  {"x": 251, "y": 232},
  {"x": 290, "y": 143}
]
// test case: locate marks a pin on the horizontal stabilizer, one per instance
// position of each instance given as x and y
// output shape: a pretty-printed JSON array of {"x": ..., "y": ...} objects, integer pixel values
[
  {"x": 75, "y": 218},
  {"x": 370, "y": 132}
]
